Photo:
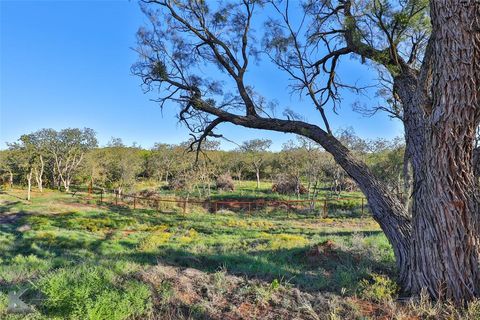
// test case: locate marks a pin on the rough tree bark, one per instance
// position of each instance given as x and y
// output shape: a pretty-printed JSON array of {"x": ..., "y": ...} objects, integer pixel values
[{"x": 444, "y": 256}]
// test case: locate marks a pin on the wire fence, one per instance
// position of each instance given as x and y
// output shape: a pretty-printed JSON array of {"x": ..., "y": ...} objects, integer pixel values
[{"x": 324, "y": 207}]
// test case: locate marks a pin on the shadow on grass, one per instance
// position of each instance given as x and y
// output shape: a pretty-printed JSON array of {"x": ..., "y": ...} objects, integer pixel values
[{"x": 334, "y": 272}]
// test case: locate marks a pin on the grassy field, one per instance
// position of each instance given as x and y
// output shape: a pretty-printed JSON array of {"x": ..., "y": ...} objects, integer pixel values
[
  {"x": 243, "y": 190},
  {"x": 80, "y": 260}
]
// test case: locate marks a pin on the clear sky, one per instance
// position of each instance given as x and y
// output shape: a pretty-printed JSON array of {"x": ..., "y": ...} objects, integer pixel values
[{"x": 67, "y": 64}]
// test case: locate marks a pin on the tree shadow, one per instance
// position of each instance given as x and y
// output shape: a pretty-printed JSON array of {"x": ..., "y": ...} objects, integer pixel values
[
  {"x": 333, "y": 272},
  {"x": 6, "y": 207}
]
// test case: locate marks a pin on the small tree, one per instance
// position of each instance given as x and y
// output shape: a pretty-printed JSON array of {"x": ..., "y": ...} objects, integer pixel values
[
  {"x": 7, "y": 167},
  {"x": 162, "y": 161},
  {"x": 25, "y": 157},
  {"x": 256, "y": 150},
  {"x": 68, "y": 147},
  {"x": 120, "y": 165}
]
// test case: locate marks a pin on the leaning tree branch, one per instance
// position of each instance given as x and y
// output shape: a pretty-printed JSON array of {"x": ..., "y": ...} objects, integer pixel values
[{"x": 207, "y": 132}]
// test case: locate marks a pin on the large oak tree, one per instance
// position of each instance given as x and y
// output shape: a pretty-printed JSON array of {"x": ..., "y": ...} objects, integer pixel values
[{"x": 428, "y": 58}]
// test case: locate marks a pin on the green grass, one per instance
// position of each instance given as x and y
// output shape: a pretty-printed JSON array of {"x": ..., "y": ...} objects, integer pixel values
[
  {"x": 80, "y": 261},
  {"x": 245, "y": 190}
]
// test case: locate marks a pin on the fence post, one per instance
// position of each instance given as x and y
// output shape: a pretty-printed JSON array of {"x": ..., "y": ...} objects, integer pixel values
[
  {"x": 134, "y": 202},
  {"x": 216, "y": 207},
  {"x": 184, "y": 206}
]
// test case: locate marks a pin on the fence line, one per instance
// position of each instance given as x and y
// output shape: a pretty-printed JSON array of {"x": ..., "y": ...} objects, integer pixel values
[{"x": 215, "y": 205}]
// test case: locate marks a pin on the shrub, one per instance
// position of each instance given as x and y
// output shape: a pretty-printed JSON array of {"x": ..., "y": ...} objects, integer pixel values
[
  {"x": 225, "y": 182},
  {"x": 380, "y": 288},
  {"x": 146, "y": 193},
  {"x": 178, "y": 183},
  {"x": 346, "y": 184},
  {"x": 288, "y": 184},
  {"x": 154, "y": 240},
  {"x": 92, "y": 292}
]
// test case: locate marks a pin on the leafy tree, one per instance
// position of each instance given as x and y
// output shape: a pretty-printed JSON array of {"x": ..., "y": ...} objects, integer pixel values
[
  {"x": 7, "y": 168},
  {"x": 256, "y": 150},
  {"x": 162, "y": 161},
  {"x": 67, "y": 148},
  {"x": 25, "y": 157},
  {"x": 427, "y": 56},
  {"x": 119, "y": 165}
]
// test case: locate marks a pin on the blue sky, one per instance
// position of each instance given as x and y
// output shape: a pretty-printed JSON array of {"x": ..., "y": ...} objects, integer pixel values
[{"x": 67, "y": 64}]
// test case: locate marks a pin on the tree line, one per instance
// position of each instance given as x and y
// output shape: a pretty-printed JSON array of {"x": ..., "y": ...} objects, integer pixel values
[{"x": 56, "y": 159}]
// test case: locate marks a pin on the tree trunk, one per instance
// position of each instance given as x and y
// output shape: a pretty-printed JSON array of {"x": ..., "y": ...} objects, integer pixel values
[
  {"x": 37, "y": 178},
  {"x": 386, "y": 209},
  {"x": 444, "y": 255},
  {"x": 29, "y": 182},
  {"x": 54, "y": 178},
  {"x": 257, "y": 171},
  {"x": 40, "y": 175},
  {"x": 66, "y": 184},
  {"x": 11, "y": 179}
]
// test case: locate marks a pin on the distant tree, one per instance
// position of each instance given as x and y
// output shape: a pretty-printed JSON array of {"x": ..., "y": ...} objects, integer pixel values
[
  {"x": 7, "y": 168},
  {"x": 68, "y": 147},
  {"x": 303, "y": 159},
  {"x": 162, "y": 161},
  {"x": 24, "y": 155},
  {"x": 291, "y": 162},
  {"x": 115, "y": 143},
  {"x": 238, "y": 163},
  {"x": 256, "y": 150},
  {"x": 120, "y": 166}
]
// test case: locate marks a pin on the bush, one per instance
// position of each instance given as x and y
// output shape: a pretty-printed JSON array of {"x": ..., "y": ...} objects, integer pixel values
[
  {"x": 146, "y": 193},
  {"x": 288, "y": 184},
  {"x": 346, "y": 184},
  {"x": 380, "y": 288},
  {"x": 92, "y": 292},
  {"x": 178, "y": 183},
  {"x": 225, "y": 182}
]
